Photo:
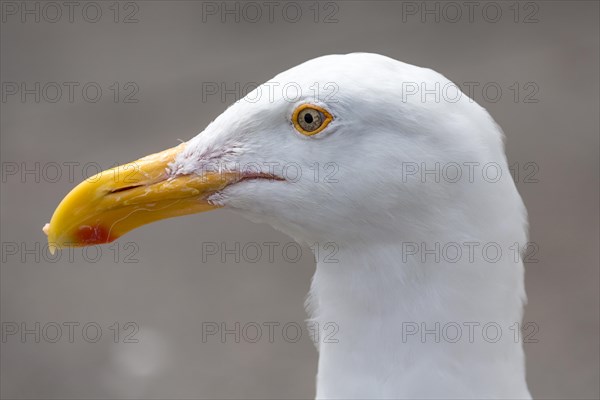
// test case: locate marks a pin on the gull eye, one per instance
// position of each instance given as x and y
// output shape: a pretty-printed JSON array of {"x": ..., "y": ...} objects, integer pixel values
[{"x": 310, "y": 119}]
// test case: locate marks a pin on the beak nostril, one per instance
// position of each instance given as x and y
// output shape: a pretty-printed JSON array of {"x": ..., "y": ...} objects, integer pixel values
[{"x": 123, "y": 189}]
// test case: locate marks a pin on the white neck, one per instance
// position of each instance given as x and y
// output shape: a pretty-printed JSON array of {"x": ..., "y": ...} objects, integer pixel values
[{"x": 396, "y": 319}]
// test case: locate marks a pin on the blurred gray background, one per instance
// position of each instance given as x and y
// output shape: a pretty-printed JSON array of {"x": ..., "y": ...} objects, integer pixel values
[{"x": 162, "y": 54}]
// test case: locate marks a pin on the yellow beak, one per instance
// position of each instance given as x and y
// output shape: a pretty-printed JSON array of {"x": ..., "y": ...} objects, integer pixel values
[{"x": 113, "y": 202}]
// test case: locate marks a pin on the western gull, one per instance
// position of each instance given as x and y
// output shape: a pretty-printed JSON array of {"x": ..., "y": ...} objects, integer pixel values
[{"x": 427, "y": 290}]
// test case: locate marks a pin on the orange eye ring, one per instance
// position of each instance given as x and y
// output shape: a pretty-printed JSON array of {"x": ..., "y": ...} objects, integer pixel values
[{"x": 309, "y": 119}]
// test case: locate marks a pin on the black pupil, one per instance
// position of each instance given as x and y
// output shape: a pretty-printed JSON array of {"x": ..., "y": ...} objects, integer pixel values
[{"x": 308, "y": 118}]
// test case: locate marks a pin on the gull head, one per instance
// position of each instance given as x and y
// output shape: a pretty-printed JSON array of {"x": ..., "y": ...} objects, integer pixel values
[{"x": 344, "y": 148}]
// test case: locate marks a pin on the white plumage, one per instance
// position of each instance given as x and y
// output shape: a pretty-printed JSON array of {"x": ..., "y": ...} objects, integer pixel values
[{"x": 376, "y": 210}]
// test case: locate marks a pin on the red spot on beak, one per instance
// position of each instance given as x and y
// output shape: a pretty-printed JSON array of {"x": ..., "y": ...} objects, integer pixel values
[{"x": 98, "y": 234}]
